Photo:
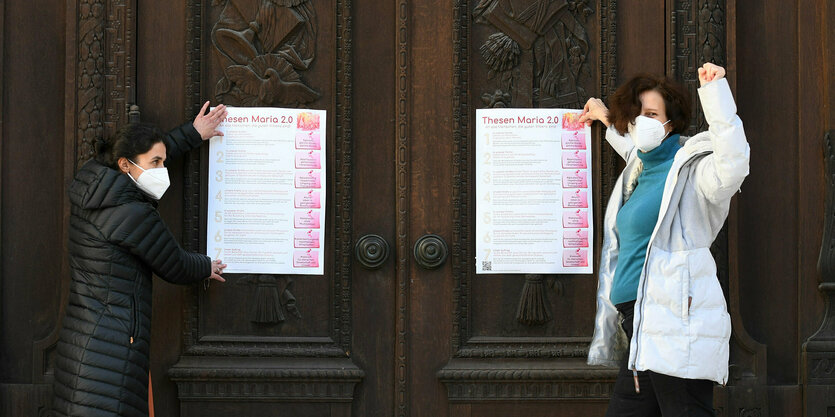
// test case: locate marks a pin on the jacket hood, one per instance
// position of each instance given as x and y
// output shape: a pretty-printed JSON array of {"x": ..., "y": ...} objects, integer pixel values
[{"x": 97, "y": 186}]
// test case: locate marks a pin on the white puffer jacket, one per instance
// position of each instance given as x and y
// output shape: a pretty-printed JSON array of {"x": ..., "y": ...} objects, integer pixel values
[{"x": 671, "y": 337}]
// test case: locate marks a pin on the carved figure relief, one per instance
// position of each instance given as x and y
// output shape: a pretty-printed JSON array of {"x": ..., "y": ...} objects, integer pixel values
[
  {"x": 271, "y": 298},
  {"x": 267, "y": 45},
  {"x": 539, "y": 56}
]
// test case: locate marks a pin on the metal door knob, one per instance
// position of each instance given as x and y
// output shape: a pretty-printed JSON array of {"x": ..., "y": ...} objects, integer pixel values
[
  {"x": 371, "y": 251},
  {"x": 430, "y": 251}
]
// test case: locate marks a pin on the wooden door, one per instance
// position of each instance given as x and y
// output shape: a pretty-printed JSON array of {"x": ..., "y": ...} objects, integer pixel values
[{"x": 416, "y": 332}]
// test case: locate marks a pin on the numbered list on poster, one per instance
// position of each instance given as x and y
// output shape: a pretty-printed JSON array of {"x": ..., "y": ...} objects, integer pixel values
[
  {"x": 533, "y": 192},
  {"x": 266, "y": 208}
]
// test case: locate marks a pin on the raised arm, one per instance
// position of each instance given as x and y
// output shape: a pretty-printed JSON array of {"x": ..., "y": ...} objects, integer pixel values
[
  {"x": 722, "y": 172},
  {"x": 191, "y": 135},
  {"x": 596, "y": 110}
]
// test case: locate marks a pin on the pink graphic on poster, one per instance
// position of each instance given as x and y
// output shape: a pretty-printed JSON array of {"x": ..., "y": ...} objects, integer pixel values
[
  {"x": 306, "y": 239},
  {"x": 308, "y": 199},
  {"x": 578, "y": 238},
  {"x": 308, "y": 160},
  {"x": 573, "y": 219},
  {"x": 307, "y": 121},
  {"x": 306, "y": 219},
  {"x": 575, "y": 258},
  {"x": 576, "y": 160},
  {"x": 308, "y": 179},
  {"x": 574, "y": 140},
  {"x": 308, "y": 140},
  {"x": 306, "y": 258},
  {"x": 575, "y": 179},
  {"x": 575, "y": 199},
  {"x": 571, "y": 121}
]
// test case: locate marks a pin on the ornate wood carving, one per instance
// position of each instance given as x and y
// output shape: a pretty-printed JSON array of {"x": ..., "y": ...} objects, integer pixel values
[
  {"x": 338, "y": 342},
  {"x": 259, "y": 379},
  {"x": 539, "y": 54},
  {"x": 533, "y": 305},
  {"x": 265, "y": 45},
  {"x": 468, "y": 381},
  {"x": 272, "y": 298},
  {"x": 527, "y": 85},
  {"x": 608, "y": 84},
  {"x": 697, "y": 35},
  {"x": 819, "y": 349},
  {"x": 401, "y": 389},
  {"x": 516, "y": 347},
  {"x": 105, "y": 71}
]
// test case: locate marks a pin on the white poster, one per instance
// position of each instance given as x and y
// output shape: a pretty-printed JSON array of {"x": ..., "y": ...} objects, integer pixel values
[
  {"x": 533, "y": 192},
  {"x": 266, "y": 211}
]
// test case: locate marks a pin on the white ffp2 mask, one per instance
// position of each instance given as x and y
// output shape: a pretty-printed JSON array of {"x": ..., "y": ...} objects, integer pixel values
[
  {"x": 647, "y": 133},
  {"x": 152, "y": 181}
]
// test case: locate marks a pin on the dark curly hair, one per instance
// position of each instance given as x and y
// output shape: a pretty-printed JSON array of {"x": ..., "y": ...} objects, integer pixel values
[
  {"x": 625, "y": 103},
  {"x": 131, "y": 140}
]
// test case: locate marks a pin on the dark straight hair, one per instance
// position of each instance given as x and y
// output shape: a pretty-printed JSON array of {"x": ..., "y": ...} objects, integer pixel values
[{"x": 130, "y": 141}]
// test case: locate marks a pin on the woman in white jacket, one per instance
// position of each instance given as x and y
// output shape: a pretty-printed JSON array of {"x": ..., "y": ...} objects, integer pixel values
[{"x": 656, "y": 270}]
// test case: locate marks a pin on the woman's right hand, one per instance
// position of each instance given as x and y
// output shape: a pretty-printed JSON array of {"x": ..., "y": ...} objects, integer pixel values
[
  {"x": 217, "y": 270},
  {"x": 595, "y": 110}
]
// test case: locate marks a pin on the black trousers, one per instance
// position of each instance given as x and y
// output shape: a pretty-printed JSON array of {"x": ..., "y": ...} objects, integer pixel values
[{"x": 661, "y": 395}]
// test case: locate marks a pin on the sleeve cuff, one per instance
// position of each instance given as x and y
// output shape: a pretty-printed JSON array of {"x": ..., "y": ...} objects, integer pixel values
[
  {"x": 193, "y": 136},
  {"x": 717, "y": 101}
]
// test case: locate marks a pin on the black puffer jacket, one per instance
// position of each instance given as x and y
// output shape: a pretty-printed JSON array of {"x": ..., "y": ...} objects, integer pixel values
[{"x": 116, "y": 240}]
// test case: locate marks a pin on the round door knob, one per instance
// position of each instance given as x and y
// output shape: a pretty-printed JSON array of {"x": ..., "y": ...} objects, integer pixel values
[
  {"x": 371, "y": 251},
  {"x": 430, "y": 251}
]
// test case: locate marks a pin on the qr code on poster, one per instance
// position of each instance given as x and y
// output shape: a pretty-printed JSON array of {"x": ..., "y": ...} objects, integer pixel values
[{"x": 486, "y": 265}]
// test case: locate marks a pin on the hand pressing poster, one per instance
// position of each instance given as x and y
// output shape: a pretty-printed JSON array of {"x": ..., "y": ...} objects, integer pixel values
[
  {"x": 266, "y": 210},
  {"x": 533, "y": 192}
]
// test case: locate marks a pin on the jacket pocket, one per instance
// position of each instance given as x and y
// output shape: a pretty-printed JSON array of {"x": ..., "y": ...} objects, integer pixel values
[
  {"x": 686, "y": 296},
  {"x": 134, "y": 315}
]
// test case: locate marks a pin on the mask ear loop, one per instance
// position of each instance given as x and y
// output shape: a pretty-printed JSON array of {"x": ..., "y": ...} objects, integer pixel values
[
  {"x": 136, "y": 165},
  {"x": 666, "y": 134}
]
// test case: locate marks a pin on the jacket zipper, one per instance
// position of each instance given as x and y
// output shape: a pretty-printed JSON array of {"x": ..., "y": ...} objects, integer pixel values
[{"x": 640, "y": 307}]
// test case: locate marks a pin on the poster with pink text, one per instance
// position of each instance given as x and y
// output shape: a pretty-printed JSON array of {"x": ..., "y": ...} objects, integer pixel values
[
  {"x": 267, "y": 189},
  {"x": 533, "y": 192}
]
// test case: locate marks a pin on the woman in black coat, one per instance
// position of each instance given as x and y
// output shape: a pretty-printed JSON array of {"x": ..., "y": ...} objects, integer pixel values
[{"x": 116, "y": 241}]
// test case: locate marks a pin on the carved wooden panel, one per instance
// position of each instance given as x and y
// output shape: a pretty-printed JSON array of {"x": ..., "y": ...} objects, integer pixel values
[
  {"x": 285, "y": 49},
  {"x": 274, "y": 53},
  {"x": 524, "y": 54},
  {"x": 265, "y": 47}
]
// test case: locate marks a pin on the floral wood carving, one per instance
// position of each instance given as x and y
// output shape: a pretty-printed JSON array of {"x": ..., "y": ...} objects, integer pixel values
[
  {"x": 539, "y": 52},
  {"x": 267, "y": 43}
]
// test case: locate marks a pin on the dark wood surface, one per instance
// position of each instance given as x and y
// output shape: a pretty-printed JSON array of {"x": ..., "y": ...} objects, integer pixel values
[{"x": 401, "y": 82}]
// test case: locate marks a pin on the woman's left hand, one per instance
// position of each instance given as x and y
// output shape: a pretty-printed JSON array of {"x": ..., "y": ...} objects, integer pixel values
[
  {"x": 206, "y": 123},
  {"x": 710, "y": 72},
  {"x": 217, "y": 270}
]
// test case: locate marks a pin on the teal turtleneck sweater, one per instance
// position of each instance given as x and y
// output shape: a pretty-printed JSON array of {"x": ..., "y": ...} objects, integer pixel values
[{"x": 636, "y": 219}]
